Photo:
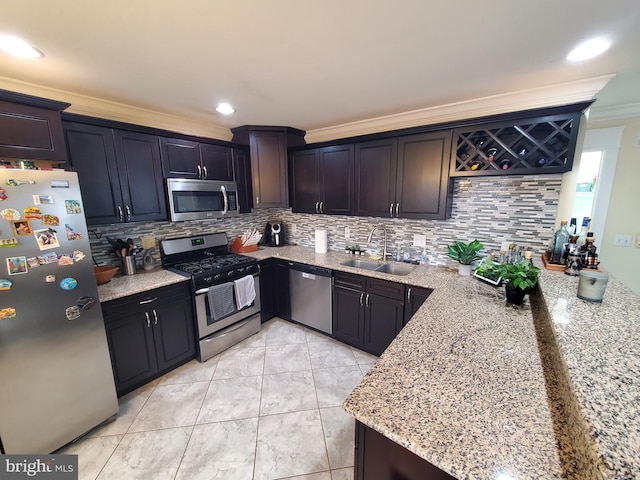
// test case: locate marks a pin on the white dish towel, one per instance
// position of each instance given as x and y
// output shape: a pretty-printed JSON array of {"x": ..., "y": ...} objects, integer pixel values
[{"x": 245, "y": 291}]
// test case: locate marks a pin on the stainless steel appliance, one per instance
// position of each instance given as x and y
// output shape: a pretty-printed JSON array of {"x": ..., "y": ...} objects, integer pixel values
[
  {"x": 56, "y": 381},
  {"x": 310, "y": 291},
  {"x": 221, "y": 279},
  {"x": 201, "y": 199}
]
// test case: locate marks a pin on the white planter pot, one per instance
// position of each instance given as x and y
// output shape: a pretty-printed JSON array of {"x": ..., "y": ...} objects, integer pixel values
[{"x": 464, "y": 270}]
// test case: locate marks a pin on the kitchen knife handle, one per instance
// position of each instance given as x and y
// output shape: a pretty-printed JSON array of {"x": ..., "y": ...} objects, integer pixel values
[
  {"x": 146, "y": 314},
  {"x": 128, "y": 210},
  {"x": 204, "y": 170},
  {"x": 155, "y": 317},
  {"x": 361, "y": 297},
  {"x": 199, "y": 172},
  {"x": 120, "y": 214}
]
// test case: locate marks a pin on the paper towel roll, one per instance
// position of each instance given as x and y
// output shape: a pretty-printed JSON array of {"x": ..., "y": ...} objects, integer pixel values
[{"x": 321, "y": 241}]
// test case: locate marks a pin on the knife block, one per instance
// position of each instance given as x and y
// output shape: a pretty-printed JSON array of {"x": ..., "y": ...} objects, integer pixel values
[{"x": 237, "y": 246}]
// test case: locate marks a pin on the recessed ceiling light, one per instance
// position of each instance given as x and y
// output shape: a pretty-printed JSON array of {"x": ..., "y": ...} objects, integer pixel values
[
  {"x": 17, "y": 47},
  {"x": 225, "y": 109},
  {"x": 589, "y": 49}
]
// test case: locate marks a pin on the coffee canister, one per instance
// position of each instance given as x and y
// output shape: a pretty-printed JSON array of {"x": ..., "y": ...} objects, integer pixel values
[{"x": 591, "y": 285}]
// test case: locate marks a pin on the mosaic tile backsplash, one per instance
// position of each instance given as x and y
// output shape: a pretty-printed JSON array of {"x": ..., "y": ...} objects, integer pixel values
[{"x": 519, "y": 209}]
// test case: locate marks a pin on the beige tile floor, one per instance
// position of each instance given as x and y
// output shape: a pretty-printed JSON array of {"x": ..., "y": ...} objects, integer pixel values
[{"x": 269, "y": 408}]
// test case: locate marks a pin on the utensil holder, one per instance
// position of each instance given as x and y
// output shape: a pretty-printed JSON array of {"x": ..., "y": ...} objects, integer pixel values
[{"x": 128, "y": 265}]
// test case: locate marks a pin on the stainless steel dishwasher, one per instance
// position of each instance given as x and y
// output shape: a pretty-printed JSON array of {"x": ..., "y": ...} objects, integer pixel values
[{"x": 310, "y": 291}]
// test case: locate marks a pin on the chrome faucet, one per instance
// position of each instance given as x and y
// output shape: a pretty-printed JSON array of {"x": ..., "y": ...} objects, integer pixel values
[{"x": 384, "y": 248}]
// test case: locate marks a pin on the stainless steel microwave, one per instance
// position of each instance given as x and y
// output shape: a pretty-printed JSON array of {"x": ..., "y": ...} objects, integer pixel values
[{"x": 201, "y": 199}]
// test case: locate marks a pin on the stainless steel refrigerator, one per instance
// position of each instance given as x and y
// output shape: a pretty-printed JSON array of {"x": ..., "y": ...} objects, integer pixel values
[{"x": 56, "y": 381}]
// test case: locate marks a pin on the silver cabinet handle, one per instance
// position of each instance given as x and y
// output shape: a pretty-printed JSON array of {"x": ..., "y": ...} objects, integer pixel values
[
  {"x": 317, "y": 207},
  {"x": 397, "y": 208},
  {"x": 361, "y": 297},
  {"x": 128, "y": 210},
  {"x": 204, "y": 170},
  {"x": 146, "y": 314},
  {"x": 321, "y": 207},
  {"x": 155, "y": 317},
  {"x": 199, "y": 172},
  {"x": 148, "y": 300},
  {"x": 257, "y": 201},
  {"x": 367, "y": 302},
  {"x": 120, "y": 214},
  {"x": 391, "y": 210},
  {"x": 409, "y": 294}
]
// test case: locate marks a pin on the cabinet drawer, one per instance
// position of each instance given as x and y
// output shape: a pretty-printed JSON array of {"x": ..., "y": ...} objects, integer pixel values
[
  {"x": 349, "y": 280},
  {"x": 170, "y": 293},
  {"x": 385, "y": 288}
]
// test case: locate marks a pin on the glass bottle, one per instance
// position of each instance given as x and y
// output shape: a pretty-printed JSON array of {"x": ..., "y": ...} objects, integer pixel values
[
  {"x": 559, "y": 239},
  {"x": 583, "y": 232}
]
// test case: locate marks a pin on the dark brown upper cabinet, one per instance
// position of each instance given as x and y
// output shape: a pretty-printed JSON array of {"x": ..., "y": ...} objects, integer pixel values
[
  {"x": 405, "y": 177},
  {"x": 533, "y": 145},
  {"x": 268, "y": 149},
  {"x": 31, "y": 128},
  {"x": 322, "y": 180},
  {"x": 190, "y": 159},
  {"x": 242, "y": 171},
  {"x": 119, "y": 171}
]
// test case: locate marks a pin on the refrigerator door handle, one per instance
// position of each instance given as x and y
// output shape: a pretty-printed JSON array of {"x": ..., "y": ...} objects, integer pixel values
[{"x": 146, "y": 314}]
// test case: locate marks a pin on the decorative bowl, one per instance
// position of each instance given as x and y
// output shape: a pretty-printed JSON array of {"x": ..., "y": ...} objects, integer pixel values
[{"x": 104, "y": 274}]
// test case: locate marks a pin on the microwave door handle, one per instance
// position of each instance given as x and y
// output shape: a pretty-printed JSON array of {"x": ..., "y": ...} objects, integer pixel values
[{"x": 226, "y": 200}]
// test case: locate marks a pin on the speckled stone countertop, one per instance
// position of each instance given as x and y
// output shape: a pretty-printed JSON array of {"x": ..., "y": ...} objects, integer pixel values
[
  {"x": 123, "y": 285},
  {"x": 464, "y": 386}
]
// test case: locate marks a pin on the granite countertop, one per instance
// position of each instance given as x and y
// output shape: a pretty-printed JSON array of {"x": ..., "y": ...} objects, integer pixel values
[
  {"x": 123, "y": 285},
  {"x": 485, "y": 390},
  {"x": 469, "y": 383}
]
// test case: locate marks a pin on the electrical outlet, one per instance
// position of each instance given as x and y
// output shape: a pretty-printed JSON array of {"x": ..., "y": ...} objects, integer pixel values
[
  {"x": 419, "y": 240},
  {"x": 347, "y": 232},
  {"x": 622, "y": 240}
]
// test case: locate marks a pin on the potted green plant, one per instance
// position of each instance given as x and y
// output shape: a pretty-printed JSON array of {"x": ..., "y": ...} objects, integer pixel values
[
  {"x": 519, "y": 278},
  {"x": 465, "y": 254}
]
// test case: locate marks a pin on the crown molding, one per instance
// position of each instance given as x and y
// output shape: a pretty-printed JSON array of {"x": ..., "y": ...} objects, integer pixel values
[
  {"x": 614, "y": 112},
  {"x": 96, "y": 107},
  {"x": 553, "y": 95}
]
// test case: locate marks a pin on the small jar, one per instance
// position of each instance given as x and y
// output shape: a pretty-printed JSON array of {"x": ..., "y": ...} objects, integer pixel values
[{"x": 592, "y": 285}]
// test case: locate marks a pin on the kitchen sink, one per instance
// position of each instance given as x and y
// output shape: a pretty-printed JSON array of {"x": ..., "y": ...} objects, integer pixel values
[
  {"x": 394, "y": 269},
  {"x": 364, "y": 264}
]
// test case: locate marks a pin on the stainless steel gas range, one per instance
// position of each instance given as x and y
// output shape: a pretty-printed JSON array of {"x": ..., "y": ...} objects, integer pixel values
[{"x": 226, "y": 289}]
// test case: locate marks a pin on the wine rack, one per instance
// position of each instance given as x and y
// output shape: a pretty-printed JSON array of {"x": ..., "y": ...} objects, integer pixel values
[{"x": 516, "y": 147}]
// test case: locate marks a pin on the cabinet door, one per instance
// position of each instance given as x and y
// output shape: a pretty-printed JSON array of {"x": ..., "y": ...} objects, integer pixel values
[
  {"x": 92, "y": 156},
  {"x": 348, "y": 316},
  {"x": 375, "y": 178},
  {"x": 383, "y": 321},
  {"x": 217, "y": 162},
  {"x": 335, "y": 179},
  {"x": 180, "y": 158},
  {"x": 173, "y": 330},
  {"x": 269, "y": 169},
  {"x": 267, "y": 290},
  {"x": 423, "y": 175},
  {"x": 140, "y": 173},
  {"x": 131, "y": 345},
  {"x": 416, "y": 296},
  {"x": 304, "y": 182},
  {"x": 282, "y": 301},
  {"x": 242, "y": 168}
]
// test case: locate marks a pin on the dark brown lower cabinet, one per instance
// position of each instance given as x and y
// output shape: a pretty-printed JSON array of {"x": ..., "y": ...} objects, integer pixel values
[
  {"x": 274, "y": 290},
  {"x": 414, "y": 299},
  {"x": 378, "y": 458},
  {"x": 149, "y": 334}
]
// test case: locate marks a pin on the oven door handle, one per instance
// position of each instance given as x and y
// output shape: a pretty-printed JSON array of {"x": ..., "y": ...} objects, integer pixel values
[
  {"x": 206, "y": 289},
  {"x": 226, "y": 200}
]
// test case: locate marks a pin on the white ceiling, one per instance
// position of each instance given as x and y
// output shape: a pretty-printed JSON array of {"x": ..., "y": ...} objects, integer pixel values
[{"x": 312, "y": 65}]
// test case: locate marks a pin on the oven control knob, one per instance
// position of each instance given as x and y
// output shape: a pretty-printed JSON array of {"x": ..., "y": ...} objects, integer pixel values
[
  {"x": 229, "y": 273},
  {"x": 216, "y": 277},
  {"x": 207, "y": 279}
]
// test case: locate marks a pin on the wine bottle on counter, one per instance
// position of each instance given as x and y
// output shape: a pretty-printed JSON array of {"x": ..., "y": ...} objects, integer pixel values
[{"x": 560, "y": 238}]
